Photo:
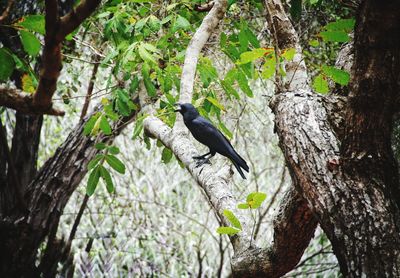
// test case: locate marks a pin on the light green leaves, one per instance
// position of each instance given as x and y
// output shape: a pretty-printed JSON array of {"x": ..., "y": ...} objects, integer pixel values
[
  {"x": 208, "y": 73},
  {"x": 227, "y": 230},
  {"x": 7, "y": 64},
  {"x": 335, "y": 36},
  {"x": 253, "y": 200},
  {"x": 250, "y": 56},
  {"x": 28, "y": 25},
  {"x": 148, "y": 52},
  {"x": 346, "y": 25},
  {"x": 232, "y": 218},
  {"x": 216, "y": 103},
  {"x": 320, "y": 84},
  {"x": 180, "y": 23},
  {"x": 237, "y": 227}
]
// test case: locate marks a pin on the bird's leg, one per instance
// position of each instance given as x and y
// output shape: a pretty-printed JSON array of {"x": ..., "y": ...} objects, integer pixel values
[
  {"x": 203, "y": 160},
  {"x": 201, "y": 157}
]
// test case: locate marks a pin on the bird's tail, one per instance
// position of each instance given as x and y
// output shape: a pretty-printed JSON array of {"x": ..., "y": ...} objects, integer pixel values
[
  {"x": 239, "y": 163},
  {"x": 239, "y": 169}
]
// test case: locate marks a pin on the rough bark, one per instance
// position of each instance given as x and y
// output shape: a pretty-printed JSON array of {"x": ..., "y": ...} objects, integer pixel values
[{"x": 373, "y": 100}]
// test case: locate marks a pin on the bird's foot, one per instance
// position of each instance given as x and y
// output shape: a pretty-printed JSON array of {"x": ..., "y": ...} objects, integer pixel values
[
  {"x": 200, "y": 157},
  {"x": 202, "y": 162}
]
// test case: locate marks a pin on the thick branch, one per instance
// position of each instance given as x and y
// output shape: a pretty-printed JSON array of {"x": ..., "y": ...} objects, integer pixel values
[
  {"x": 294, "y": 227},
  {"x": 348, "y": 209},
  {"x": 285, "y": 37},
  {"x": 374, "y": 96},
  {"x": 56, "y": 30},
  {"x": 23, "y": 102},
  {"x": 209, "y": 24}
]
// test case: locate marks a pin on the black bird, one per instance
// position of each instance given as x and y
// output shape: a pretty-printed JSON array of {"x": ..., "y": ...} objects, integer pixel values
[{"x": 204, "y": 132}]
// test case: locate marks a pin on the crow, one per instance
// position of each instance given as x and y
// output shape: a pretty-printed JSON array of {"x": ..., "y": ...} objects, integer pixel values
[{"x": 204, "y": 132}]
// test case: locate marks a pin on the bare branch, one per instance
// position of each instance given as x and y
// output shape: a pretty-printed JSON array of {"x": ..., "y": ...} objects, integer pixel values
[
  {"x": 23, "y": 102},
  {"x": 210, "y": 22}
]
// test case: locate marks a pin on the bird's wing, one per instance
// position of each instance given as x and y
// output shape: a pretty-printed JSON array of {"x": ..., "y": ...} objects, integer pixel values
[{"x": 209, "y": 135}]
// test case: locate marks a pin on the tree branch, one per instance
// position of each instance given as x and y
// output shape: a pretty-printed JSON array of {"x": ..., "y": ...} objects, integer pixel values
[
  {"x": 23, "y": 102},
  {"x": 285, "y": 38},
  {"x": 56, "y": 30}
]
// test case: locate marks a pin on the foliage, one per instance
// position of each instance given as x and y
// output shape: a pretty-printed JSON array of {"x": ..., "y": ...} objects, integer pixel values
[{"x": 253, "y": 201}]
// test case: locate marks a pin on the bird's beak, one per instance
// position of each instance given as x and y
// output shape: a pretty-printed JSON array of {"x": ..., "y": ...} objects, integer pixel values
[{"x": 179, "y": 107}]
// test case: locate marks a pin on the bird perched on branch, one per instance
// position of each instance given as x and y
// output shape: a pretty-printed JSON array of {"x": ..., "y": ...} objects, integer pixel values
[{"x": 204, "y": 132}]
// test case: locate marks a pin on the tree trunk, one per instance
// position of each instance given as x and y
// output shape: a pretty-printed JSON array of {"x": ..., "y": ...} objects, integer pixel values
[{"x": 46, "y": 196}]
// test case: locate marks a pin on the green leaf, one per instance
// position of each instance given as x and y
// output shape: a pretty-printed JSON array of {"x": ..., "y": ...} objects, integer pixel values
[
  {"x": 94, "y": 161},
  {"x": 339, "y": 76},
  {"x": 154, "y": 23},
  {"x": 166, "y": 155},
  {"x": 243, "y": 206},
  {"x": 151, "y": 89},
  {"x": 346, "y": 25},
  {"x": 335, "y": 36},
  {"x": 138, "y": 127},
  {"x": 100, "y": 146},
  {"x": 243, "y": 83},
  {"x": 105, "y": 126},
  {"x": 7, "y": 64},
  {"x": 255, "y": 199},
  {"x": 93, "y": 180},
  {"x": 232, "y": 218},
  {"x": 35, "y": 23},
  {"x": 145, "y": 55},
  {"x": 123, "y": 107},
  {"x": 251, "y": 38},
  {"x": 113, "y": 150},
  {"x": 313, "y": 43},
  {"x": 227, "y": 230},
  {"x": 207, "y": 71},
  {"x": 90, "y": 124},
  {"x": 229, "y": 89},
  {"x": 107, "y": 179},
  {"x": 30, "y": 43},
  {"x": 269, "y": 68},
  {"x": 320, "y": 84},
  {"x": 180, "y": 23},
  {"x": 225, "y": 130},
  {"x": 115, "y": 163},
  {"x": 250, "y": 56},
  {"x": 288, "y": 54},
  {"x": 243, "y": 41},
  {"x": 216, "y": 103}
]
